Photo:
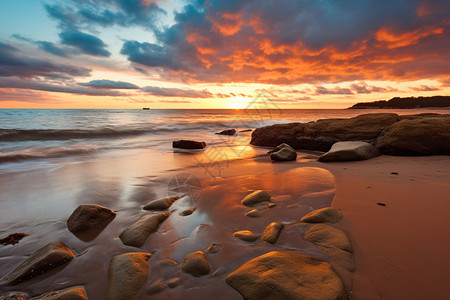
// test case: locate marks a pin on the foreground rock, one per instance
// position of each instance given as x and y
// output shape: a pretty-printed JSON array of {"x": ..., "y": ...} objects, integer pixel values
[
  {"x": 45, "y": 259},
  {"x": 162, "y": 203},
  {"x": 350, "y": 151},
  {"x": 283, "y": 152},
  {"x": 246, "y": 235},
  {"x": 255, "y": 213},
  {"x": 227, "y": 132},
  {"x": 195, "y": 264},
  {"x": 137, "y": 233},
  {"x": 323, "y": 215},
  {"x": 286, "y": 275},
  {"x": 419, "y": 136},
  {"x": 156, "y": 287},
  {"x": 255, "y": 198},
  {"x": 89, "y": 216},
  {"x": 73, "y": 293},
  {"x": 127, "y": 274},
  {"x": 188, "y": 144},
  {"x": 272, "y": 232}
]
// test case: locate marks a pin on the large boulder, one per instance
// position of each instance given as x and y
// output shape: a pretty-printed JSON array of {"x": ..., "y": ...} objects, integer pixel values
[
  {"x": 227, "y": 132},
  {"x": 45, "y": 259},
  {"x": 322, "y": 134},
  {"x": 72, "y": 293},
  {"x": 289, "y": 275},
  {"x": 350, "y": 151},
  {"x": 323, "y": 215},
  {"x": 188, "y": 144},
  {"x": 162, "y": 203},
  {"x": 255, "y": 198},
  {"x": 426, "y": 135},
  {"x": 127, "y": 274},
  {"x": 195, "y": 264},
  {"x": 137, "y": 233},
  {"x": 89, "y": 216},
  {"x": 272, "y": 232}
]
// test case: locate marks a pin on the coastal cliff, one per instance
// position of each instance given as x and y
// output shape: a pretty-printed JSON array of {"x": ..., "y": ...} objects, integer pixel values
[{"x": 407, "y": 102}]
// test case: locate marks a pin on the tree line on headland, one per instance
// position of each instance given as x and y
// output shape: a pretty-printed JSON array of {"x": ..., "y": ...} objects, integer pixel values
[{"x": 407, "y": 102}]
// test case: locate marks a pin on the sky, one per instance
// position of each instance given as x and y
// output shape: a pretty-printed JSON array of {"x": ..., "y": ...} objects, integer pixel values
[{"x": 221, "y": 53}]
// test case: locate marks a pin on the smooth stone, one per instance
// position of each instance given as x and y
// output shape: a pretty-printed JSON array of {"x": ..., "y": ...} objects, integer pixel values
[
  {"x": 281, "y": 146},
  {"x": 15, "y": 296},
  {"x": 272, "y": 232},
  {"x": 72, "y": 293},
  {"x": 323, "y": 215},
  {"x": 195, "y": 264},
  {"x": 350, "y": 151},
  {"x": 328, "y": 236},
  {"x": 188, "y": 144},
  {"x": 187, "y": 212},
  {"x": 127, "y": 274},
  {"x": 254, "y": 213},
  {"x": 156, "y": 287},
  {"x": 255, "y": 198},
  {"x": 340, "y": 257},
  {"x": 214, "y": 248},
  {"x": 137, "y": 233},
  {"x": 168, "y": 262},
  {"x": 283, "y": 152},
  {"x": 227, "y": 132},
  {"x": 271, "y": 205},
  {"x": 89, "y": 216},
  {"x": 45, "y": 259},
  {"x": 245, "y": 130},
  {"x": 295, "y": 205},
  {"x": 162, "y": 203},
  {"x": 174, "y": 282},
  {"x": 246, "y": 235},
  {"x": 286, "y": 275}
]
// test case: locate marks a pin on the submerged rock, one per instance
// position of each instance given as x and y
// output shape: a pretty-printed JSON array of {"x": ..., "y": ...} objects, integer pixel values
[
  {"x": 214, "y": 248},
  {"x": 287, "y": 275},
  {"x": 13, "y": 238},
  {"x": 88, "y": 217},
  {"x": 45, "y": 259},
  {"x": 162, "y": 203},
  {"x": 174, "y": 282},
  {"x": 127, "y": 274},
  {"x": 227, "y": 132},
  {"x": 156, "y": 287},
  {"x": 137, "y": 233},
  {"x": 350, "y": 151},
  {"x": 188, "y": 144},
  {"x": 255, "y": 198},
  {"x": 72, "y": 293},
  {"x": 254, "y": 213},
  {"x": 195, "y": 264},
  {"x": 15, "y": 296},
  {"x": 187, "y": 212},
  {"x": 272, "y": 232},
  {"x": 246, "y": 235},
  {"x": 323, "y": 215}
]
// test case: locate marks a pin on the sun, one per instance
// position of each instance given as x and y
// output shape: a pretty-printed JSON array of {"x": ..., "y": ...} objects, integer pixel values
[{"x": 238, "y": 102}]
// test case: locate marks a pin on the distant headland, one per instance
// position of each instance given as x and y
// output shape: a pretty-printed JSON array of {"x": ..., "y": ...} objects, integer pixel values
[{"x": 407, "y": 102}]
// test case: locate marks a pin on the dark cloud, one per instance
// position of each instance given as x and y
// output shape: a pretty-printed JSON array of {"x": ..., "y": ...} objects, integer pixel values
[
  {"x": 174, "y": 92},
  {"x": 109, "y": 84},
  {"x": 320, "y": 90},
  {"x": 14, "y": 62},
  {"x": 425, "y": 88},
  {"x": 86, "y": 43}
]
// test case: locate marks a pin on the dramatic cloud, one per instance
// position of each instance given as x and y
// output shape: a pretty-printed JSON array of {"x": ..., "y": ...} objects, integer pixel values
[
  {"x": 425, "y": 88},
  {"x": 320, "y": 90},
  {"x": 14, "y": 62},
  {"x": 109, "y": 84},
  {"x": 174, "y": 92},
  {"x": 86, "y": 43}
]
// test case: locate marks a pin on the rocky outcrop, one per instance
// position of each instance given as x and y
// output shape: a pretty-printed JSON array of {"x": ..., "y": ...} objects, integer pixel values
[
  {"x": 350, "y": 151},
  {"x": 188, "y": 144},
  {"x": 323, "y": 215},
  {"x": 45, "y": 259},
  {"x": 283, "y": 152},
  {"x": 286, "y": 275},
  {"x": 227, "y": 132},
  {"x": 73, "y": 293},
  {"x": 255, "y": 198},
  {"x": 272, "y": 232},
  {"x": 88, "y": 217},
  {"x": 137, "y": 233},
  {"x": 162, "y": 203},
  {"x": 195, "y": 264},
  {"x": 418, "y": 136},
  {"x": 246, "y": 235}
]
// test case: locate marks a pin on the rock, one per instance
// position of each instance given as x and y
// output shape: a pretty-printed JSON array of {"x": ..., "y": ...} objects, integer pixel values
[
  {"x": 73, "y": 293},
  {"x": 227, "y": 132},
  {"x": 174, "y": 282},
  {"x": 340, "y": 257},
  {"x": 420, "y": 136},
  {"x": 13, "y": 238},
  {"x": 271, "y": 205},
  {"x": 187, "y": 212},
  {"x": 245, "y": 130},
  {"x": 137, "y": 233},
  {"x": 246, "y": 235},
  {"x": 255, "y": 198},
  {"x": 294, "y": 205},
  {"x": 281, "y": 146},
  {"x": 323, "y": 215},
  {"x": 272, "y": 232},
  {"x": 320, "y": 135},
  {"x": 195, "y": 264},
  {"x": 156, "y": 287},
  {"x": 350, "y": 151},
  {"x": 127, "y": 274},
  {"x": 254, "y": 213},
  {"x": 162, "y": 203},
  {"x": 328, "y": 236},
  {"x": 89, "y": 216},
  {"x": 287, "y": 275},
  {"x": 188, "y": 144},
  {"x": 284, "y": 154},
  {"x": 214, "y": 248},
  {"x": 168, "y": 262},
  {"x": 45, "y": 259},
  {"x": 15, "y": 296}
]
